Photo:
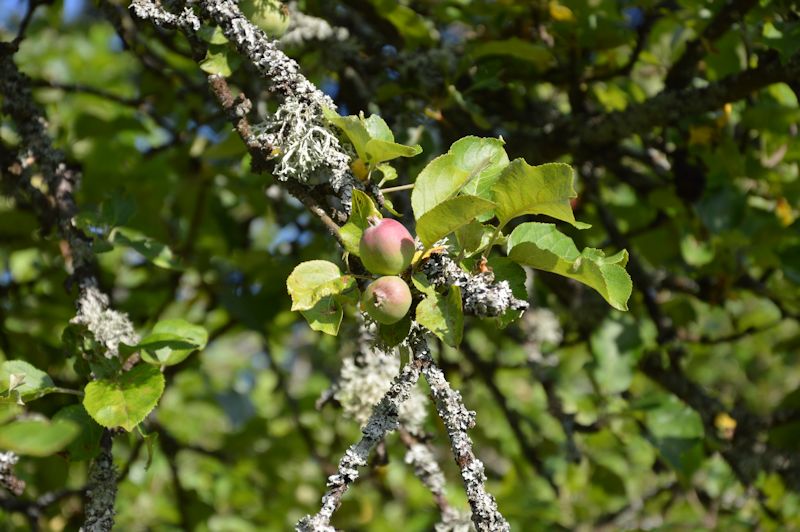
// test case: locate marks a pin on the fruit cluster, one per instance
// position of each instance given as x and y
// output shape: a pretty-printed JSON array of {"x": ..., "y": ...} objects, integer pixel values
[{"x": 386, "y": 249}]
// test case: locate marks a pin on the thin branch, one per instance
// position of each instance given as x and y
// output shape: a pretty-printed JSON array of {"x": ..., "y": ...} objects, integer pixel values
[
  {"x": 747, "y": 454},
  {"x": 421, "y": 458},
  {"x": 398, "y": 188},
  {"x": 383, "y": 420},
  {"x": 457, "y": 420},
  {"x": 107, "y": 326},
  {"x": 237, "y": 109},
  {"x": 86, "y": 89},
  {"x": 26, "y": 20}
]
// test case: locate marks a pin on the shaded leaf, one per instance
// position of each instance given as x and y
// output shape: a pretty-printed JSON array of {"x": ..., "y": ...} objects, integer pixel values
[
  {"x": 545, "y": 189},
  {"x": 87, "y": 444},
  {"x": 543, "y": 247},
  {"x": 362, "y": 208},
  {"x": 171, "y": 341},
  {"x": 325, "y": 316},
  {"x": 37, "y": 437},
  {"x": 21, "y": 380}
]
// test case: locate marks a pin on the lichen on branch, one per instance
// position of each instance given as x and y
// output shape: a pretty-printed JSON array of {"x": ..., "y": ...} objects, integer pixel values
[{"x": 482, "y": 294}]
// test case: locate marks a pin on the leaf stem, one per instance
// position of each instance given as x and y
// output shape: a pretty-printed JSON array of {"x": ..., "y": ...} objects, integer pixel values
[
  {"x": 69, "y": 391},
  {"x": 398, "y": 188},
  {"x": 488, "y": 248}
]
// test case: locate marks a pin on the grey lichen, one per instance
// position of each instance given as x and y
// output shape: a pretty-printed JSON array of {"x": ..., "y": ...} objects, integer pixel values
[
  {"x": 365, "y": 378},
  {"x": 8, "y": 479},
  {"x": 109, "y": 327},
  {"x": 307, "y": 147},
  {"x": 482, "y": 295},
  {"x": 304, "y": 28},
  {"x": 541, "y": 326},
  {"x": 454, "y": 521},
  {"x": 152, "y": 10},
  {"x": 303, "y": 146}
]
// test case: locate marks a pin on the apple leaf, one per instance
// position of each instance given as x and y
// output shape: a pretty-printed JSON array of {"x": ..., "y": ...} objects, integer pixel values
[{"x": 542, "y": 246}]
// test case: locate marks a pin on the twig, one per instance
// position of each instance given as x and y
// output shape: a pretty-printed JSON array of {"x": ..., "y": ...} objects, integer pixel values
[
  {"x": 237, "y": 109},
  {"x": 457, "y": 420},
  {"x": 86, "y": 89},
  {"x": 662, "y": 109},
  {"x": 383, "y": 420},
  {"x": 398, "y": 188}
]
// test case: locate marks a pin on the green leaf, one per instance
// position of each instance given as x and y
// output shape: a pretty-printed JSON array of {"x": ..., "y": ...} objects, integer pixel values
[
  {"x": 171, "y": 341},
  {"x": 379, "y": 151},
  {"x": 443, "y": 315},
  {"x": 612, "y": 345},
  {"x": 26, "y": 265},
  {"x": 415, "y": 29},
  {"x": 37, "y": 437},
  {"x": 536, "y": 54},
  {"x": 448, "y": 216},
  {"x": 543, "y": 247},
  {"x": 362, "y": 208},
  {"x": 212, "y": 35},
  {"x": 371, "y": 137},
  {"x": 352, "y": 126},
  {"x": 87, "y": 444},
  {"x": 218, "y": 61},
  {"x": 695, "y": 252},
  {"x": 125, "y": 401},
  {"x": 677, "y": 431},
  {"x": 377, "y": 128},
  {"x": 388, "y": 172},
  {"x": 468, "y": 159},
  {"x": 394, "y": 334},
  {"x": 19, "y": 380},
  {"x": 154, "y": 251},
  {"x": 314, "y": 280},
  {"x": 545, "y": 189},
  {"x": 325, "y": 316},
  {"x": 473, "y": 237}
]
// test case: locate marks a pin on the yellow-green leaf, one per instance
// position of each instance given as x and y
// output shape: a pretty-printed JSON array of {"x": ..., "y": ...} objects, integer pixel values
[
  {"x": 543, "y": 247},
  {"x": 546, "y": 189}
]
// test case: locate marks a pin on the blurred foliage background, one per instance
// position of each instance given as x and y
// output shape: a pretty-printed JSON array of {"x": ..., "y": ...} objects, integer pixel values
[{"x": 681, "y": 119}]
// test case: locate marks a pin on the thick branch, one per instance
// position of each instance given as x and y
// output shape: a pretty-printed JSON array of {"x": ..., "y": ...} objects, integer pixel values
[
  {"x": 680, "y": 74},
  {"x": 107, "y": 326},
  {"x": 661, "y": 110},
  {"x": 102, "y": 490}
]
